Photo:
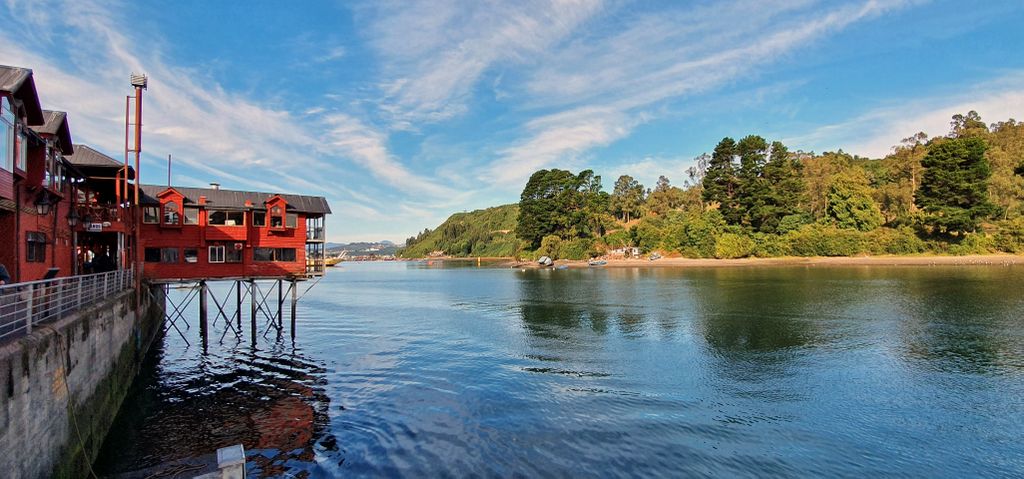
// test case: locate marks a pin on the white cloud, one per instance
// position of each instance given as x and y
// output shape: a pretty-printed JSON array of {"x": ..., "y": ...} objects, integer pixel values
[
  {"x": 367, "y": 147},
  {"x": 435, "y": 52},
  {"x": 875, "y": 132},
  {"x": 657, "y": 58}
]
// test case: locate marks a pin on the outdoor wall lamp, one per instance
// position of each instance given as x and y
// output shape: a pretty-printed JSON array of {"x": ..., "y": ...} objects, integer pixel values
[{"x": 43, "y": 204}]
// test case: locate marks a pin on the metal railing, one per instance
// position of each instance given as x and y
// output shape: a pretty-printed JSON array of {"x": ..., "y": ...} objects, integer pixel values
[{"x": 24, "y": 305}]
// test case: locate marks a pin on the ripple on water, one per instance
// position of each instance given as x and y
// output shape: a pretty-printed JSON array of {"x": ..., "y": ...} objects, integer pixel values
[{"x": 420, "y": 372}]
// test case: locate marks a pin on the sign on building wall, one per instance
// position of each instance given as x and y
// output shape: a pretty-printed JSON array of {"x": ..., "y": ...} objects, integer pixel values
[{"x": 94, "y": 227}]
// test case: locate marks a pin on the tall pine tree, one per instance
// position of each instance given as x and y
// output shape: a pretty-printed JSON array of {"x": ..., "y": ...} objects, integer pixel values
[
  {"x": 720, "y": 182},
  {"x": 954, "y": 186}
]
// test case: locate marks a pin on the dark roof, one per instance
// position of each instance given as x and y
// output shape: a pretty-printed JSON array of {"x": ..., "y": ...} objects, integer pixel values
[
  {"x": 233, "y": 199},
  {"x": 86, "y": 156},
  {"x": 19, "y": 82},
  {"x": 56, "y": 123}
]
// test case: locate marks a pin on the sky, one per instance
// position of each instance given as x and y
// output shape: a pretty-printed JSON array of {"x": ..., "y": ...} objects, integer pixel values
[{"x": 401, "y": 113}]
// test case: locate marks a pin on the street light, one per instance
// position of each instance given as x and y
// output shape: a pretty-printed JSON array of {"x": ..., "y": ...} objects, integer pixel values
[
  {"x": 73, "y": 217},
  {"x": 43, "y": 204}
]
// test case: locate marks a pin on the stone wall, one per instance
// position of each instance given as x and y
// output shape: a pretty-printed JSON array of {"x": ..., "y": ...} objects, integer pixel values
[{"x": 86, "y": 361}]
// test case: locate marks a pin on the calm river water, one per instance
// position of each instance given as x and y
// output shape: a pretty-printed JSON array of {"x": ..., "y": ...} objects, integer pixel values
[{"x": 405, "y": 369}]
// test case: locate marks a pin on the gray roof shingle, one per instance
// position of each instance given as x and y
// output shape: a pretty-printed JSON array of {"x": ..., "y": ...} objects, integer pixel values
[
  {"x": 86, "y": 156},
  {"x": 19, "y": 81},
  {"x": 233, "y": 199},
  {"x": 56, "y": 123}
]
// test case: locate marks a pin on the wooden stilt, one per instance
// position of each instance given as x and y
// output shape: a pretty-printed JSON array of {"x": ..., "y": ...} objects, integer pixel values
[
  {"x": 295, "y": 301},
  {"x": 238, "y": 308},
  {"x": 281, "y": 305},
  {"x": 252, "y": 309},
  {"x": 204, "y": 327}
]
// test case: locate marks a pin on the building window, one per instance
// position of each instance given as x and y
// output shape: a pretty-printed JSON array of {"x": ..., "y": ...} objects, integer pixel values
[
  {"x": 191, "y": 255},
  {"x": 191, "y": 216},
  {"x": 168, "y": 255},
  {"x": 273, "y": 254},
  {"x": 293, "y": 220},
  {"x": 150, "y": 215},
  {"x": 259, "y": 218},
  {"x": 233, "y": 255},
  {"x": 22, "y": 151},
  {"x": 226, "y": 218},
  {"x": 216, "y": 254},
  {"x": 35, "y": 248},
  {"x": 263, "y": 254},
  {"x": 172, "y": 214},
  {"x": 7, "y": 122},
  {"x": 152, "y": 255},
  {"x": 276, "y": 217}
]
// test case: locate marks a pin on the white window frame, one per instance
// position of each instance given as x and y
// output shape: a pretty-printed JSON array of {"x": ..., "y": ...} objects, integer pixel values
[{"x": 212, "y": 258}]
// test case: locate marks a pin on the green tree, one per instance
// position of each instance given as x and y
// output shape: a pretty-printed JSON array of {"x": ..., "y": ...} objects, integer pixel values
[
  {"x": 557, "y": 202},
  {"x": 720, "y": 181},
  {"x": 665, "y": 197},
  {"x": 754, "y": 190},
  {"x": 786, "y": 189},
  {"x": 627, "y": 198},
  {"x": 954, "y": 186},
  {"x": 850, "y": 203}
]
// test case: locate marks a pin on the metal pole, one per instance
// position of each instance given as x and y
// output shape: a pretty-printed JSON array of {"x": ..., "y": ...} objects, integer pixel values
[
  {"x": 28, "y": 309},
  {"x": 203, "y": 326}
]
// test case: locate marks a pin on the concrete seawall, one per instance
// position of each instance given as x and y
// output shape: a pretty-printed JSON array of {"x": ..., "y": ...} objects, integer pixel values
[{"x": 61, "y": 386}]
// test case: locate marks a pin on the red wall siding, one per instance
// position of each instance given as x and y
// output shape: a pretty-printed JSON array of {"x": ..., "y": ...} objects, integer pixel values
[
  {"x": 202, "y": 236},
  {"x": 6, "y": 185}
]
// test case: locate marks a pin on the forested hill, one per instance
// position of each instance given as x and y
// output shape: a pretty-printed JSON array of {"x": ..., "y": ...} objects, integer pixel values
[
  {"x": 487, "y": 232},
  {"x": 957, "y": 193}
]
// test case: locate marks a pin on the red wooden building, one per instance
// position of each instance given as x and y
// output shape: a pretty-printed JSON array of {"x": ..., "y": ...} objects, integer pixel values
[
  {"x": 69, "y": 207},
  {"x": 200, "y": 233},
  {"x": 37, "y": 184}
]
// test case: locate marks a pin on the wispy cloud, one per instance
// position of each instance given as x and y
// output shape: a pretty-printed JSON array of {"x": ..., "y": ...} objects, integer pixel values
[
  {"x": 875, "y": 132},
  {"x": 435, "y": 52},
  {"x": 367, "y": 147},
  {"x": 620, "y": 83}
]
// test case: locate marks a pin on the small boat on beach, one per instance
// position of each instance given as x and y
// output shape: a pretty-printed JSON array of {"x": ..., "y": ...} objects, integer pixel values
[
  {"x": 597, "y": 262},
  {"x": 545, "y": 261}
]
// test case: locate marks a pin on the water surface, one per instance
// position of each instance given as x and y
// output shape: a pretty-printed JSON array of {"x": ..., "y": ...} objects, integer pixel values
[{"x": 404, "y": 369}]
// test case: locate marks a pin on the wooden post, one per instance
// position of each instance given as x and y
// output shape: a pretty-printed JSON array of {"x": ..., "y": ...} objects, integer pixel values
[
  {"x": 280, "y": 305},
  {"x": 252, "y": 309},
  {"x": 295, "y": 301},
  {"x": 238, "y": 305},
  {"x": 203, "y": 326}
]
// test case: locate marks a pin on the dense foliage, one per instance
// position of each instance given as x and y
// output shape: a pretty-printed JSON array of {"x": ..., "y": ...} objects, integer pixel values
[
  {"x": 486, "y": 232},
  {"x": 955, "y": 194}
]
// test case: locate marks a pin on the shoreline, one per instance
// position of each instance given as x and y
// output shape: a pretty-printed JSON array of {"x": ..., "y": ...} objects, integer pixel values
[{"x": 969, "y": 260}]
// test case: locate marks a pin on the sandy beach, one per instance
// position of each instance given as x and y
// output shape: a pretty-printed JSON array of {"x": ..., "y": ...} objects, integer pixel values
[{"x": 991, "y": 260}]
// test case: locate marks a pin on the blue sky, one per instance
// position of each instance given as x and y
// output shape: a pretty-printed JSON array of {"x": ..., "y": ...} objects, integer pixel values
[{"x": 401, "y": 113}]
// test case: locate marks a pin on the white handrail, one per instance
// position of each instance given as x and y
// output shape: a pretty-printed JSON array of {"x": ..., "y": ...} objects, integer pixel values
[{"x": 24, "y": 305}]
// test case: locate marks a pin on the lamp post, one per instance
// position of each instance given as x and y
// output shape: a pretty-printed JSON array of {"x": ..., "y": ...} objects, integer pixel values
[{"x": 73, "y": 222}]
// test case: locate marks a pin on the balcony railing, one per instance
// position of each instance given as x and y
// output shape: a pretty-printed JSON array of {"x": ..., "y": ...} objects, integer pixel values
[
  {"x": 99, "y": 213},
  {"x": 315, "y": 234},
  {"x": 25, "y": 305}
]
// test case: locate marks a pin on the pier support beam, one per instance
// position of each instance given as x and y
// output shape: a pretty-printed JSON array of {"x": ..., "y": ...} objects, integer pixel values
[
  {"x": 204, "y": 326},
  {"x": 280, "y": 305},
  {"x": 238, "y": 308},
  {"x": 252, "y": 310},
  {"x": 295, "y": 301}
]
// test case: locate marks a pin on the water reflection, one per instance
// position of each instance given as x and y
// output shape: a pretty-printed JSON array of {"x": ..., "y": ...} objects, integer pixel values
[
  {"x": 185, "y": 404},
  {"x": 959, "y": 323},
  {"x": 464, "y": 371}
]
